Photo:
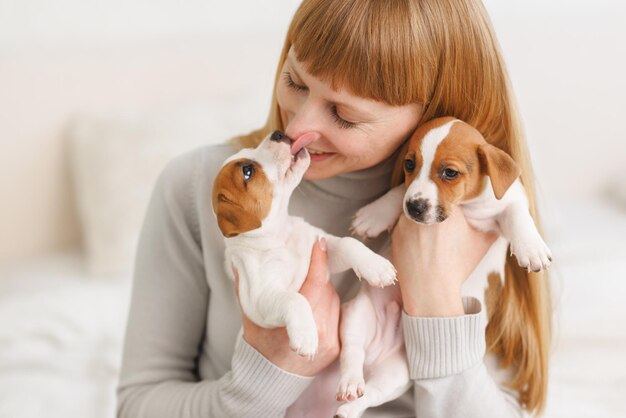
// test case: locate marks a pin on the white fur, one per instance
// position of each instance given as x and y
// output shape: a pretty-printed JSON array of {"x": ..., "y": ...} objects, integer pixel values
[
  {"x": 422, "y": 186},
  {"x": 272, "y": 261}
]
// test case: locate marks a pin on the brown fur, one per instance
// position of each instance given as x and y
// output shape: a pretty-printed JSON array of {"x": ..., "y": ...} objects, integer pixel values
[{"x": 241, "y": 206}]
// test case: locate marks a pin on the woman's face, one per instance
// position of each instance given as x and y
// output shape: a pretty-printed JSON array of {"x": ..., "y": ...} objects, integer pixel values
[{"x": 352, "y": 133}]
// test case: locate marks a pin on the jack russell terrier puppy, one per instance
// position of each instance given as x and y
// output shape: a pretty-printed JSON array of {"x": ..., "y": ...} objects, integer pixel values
[
  {"x": 447, "y": 163},
  {"x": 269, "y": 249}
]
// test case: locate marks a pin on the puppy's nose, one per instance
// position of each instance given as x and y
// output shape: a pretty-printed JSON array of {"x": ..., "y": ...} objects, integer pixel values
[
  {"x": 417, "y": 208},
  {"x": 278, "y": 136}
]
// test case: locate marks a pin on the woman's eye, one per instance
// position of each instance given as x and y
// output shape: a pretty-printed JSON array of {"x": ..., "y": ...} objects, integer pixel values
[
  {"x": 248, "y": 171},
  {"x": 409, "y": 165},
  {"x": 342, "y": 123},
  {"x": 292, "y": 84},
  {"x": 449, "y": 174}
]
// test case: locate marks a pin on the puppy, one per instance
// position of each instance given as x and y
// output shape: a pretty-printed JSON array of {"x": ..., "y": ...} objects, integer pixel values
[
  {"x": 448, "y": 163},
  {"x": 270, "y": 249}
]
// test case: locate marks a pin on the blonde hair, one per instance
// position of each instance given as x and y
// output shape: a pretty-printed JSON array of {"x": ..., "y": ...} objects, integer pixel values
[{"x": 444, "y": 55}]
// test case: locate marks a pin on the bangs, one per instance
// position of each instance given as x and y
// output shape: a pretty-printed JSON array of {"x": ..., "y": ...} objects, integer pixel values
[{"x": 371, "y": 48}]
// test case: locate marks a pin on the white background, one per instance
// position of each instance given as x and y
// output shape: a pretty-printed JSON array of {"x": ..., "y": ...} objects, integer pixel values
[{"x": 566, "y": 60}]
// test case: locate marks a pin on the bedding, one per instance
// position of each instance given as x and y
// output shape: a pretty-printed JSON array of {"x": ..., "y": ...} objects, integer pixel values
[{"x": 61, "y": 334}]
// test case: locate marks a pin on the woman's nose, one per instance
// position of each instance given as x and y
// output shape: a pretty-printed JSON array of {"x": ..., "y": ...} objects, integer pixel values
[{"x": 305, "y": 119}]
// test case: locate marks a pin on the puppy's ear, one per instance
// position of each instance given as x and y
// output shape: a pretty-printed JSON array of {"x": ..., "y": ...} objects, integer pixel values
[
  {"x": 397, "y": 176},
  {"x": 500, "y": 168},
  {"x": 233, "y": 219},
  {"x": 240, "y": 207}
]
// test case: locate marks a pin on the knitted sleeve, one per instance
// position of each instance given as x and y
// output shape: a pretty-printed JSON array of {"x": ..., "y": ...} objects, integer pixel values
[{"x": 445, "y": 357}]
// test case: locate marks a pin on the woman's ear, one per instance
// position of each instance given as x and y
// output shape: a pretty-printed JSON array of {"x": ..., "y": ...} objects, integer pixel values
[{"x": 499, "y": 166}]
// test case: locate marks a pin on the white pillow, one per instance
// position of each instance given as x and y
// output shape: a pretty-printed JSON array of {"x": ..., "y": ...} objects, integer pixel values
[{"x": 115, "y": 162}]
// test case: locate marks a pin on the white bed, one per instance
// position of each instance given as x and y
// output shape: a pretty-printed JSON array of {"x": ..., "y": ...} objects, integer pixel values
[
  {"x": 61, "y": 329},
  {"x": 61, "y": 332}
]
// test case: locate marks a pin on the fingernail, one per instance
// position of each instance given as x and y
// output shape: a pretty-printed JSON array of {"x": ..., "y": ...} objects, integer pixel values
[{"x": 323, "y": 245}]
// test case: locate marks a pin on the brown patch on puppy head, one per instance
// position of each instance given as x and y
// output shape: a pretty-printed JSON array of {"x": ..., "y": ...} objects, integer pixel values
[
  {"x": 412, "y": 151},
  {"x": 456, "y": 168},
  {"x": 242, "y": 197}
]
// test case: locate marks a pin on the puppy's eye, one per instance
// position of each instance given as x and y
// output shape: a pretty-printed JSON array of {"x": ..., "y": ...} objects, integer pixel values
[
  {"x": 450, "y": 174},
  {"x": 409, "y": 165},
  {"x": 248, "y": 171}
]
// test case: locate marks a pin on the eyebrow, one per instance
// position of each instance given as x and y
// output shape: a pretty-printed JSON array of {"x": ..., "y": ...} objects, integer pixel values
[{"x": 350, "y": 107}]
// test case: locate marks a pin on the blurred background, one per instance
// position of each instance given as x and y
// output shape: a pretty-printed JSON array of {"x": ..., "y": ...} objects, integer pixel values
[{"x": 95, "y": 97}]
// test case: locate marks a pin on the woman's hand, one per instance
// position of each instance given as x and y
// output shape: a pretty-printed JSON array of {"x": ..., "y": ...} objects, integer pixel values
[
  {"x": 433, "y": 261},
  {"x": 321, "y": 294}
]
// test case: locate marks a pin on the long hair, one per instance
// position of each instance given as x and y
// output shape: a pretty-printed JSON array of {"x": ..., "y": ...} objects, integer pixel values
[{"x": 444, "y": 55}]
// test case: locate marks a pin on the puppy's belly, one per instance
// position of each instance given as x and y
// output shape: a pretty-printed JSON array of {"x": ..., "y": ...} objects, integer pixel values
[
  {"x": 387, "y": 336},
  {"x": 299, "y": 244}
]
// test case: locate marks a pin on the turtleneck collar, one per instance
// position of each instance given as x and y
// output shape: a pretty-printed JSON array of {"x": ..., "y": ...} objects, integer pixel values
[{"x": 366, "y": 184}]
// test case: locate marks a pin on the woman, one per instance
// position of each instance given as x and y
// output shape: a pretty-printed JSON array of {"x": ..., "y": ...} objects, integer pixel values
[{"x": 361, "y": 75}]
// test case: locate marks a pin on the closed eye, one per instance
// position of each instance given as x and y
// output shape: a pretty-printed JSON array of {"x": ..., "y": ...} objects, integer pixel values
[
  {"x": 292, "y": 84},
  {"x": 343, "y": 124}
]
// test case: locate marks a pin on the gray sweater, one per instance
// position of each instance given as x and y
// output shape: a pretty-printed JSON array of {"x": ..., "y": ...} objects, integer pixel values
[{"x": 182, "y": 354}]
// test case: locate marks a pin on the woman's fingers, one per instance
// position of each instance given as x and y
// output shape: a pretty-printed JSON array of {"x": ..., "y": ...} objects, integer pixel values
[{"x": 316, "y": 282}]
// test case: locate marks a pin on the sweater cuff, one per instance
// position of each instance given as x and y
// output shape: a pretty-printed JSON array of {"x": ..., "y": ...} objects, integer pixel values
[
  {"x": 262, "y": 385},
  {"x": 440, "y": 347}
]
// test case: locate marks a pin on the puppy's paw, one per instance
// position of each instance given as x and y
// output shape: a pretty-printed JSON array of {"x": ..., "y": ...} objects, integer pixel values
[
  {"x": 303, "y": 340},
  {"x": 531, "y": 252},
  {"x": 351, "y": 386},
  {"x": 369, "y": 222},
  {"x": 376, "y": 270},
  {"x": 350, "y": 410}
]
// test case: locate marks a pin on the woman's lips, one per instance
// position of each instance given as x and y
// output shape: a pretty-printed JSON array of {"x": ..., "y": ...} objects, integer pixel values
[
  {"x": 304, "y": 141},
  {"x": 321, "y": 157}
]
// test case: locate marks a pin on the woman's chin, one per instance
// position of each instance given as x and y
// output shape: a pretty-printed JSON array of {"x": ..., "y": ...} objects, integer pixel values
[{"x": 315, "y": 172}]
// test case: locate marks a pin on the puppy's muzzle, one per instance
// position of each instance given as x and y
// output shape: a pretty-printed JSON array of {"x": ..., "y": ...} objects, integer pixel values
[
  {"x": 417, "y": 208},
  {"x": 278, "y": 136}
]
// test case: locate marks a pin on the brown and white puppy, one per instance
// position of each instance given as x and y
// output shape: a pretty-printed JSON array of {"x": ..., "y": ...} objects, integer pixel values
[
  {"x": 270, "y": 249},
  {"x": 448, "y": 163}
]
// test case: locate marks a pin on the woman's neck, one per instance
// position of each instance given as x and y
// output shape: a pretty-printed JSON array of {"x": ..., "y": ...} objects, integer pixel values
[{"x": 365, "y": 185}]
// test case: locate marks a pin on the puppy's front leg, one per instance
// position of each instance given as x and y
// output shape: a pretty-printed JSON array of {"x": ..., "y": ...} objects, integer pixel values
[
  {"x": 380, "y": 215},
  {"x": 529, "y": 248},
  {"x": 346, "y": 252}
]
